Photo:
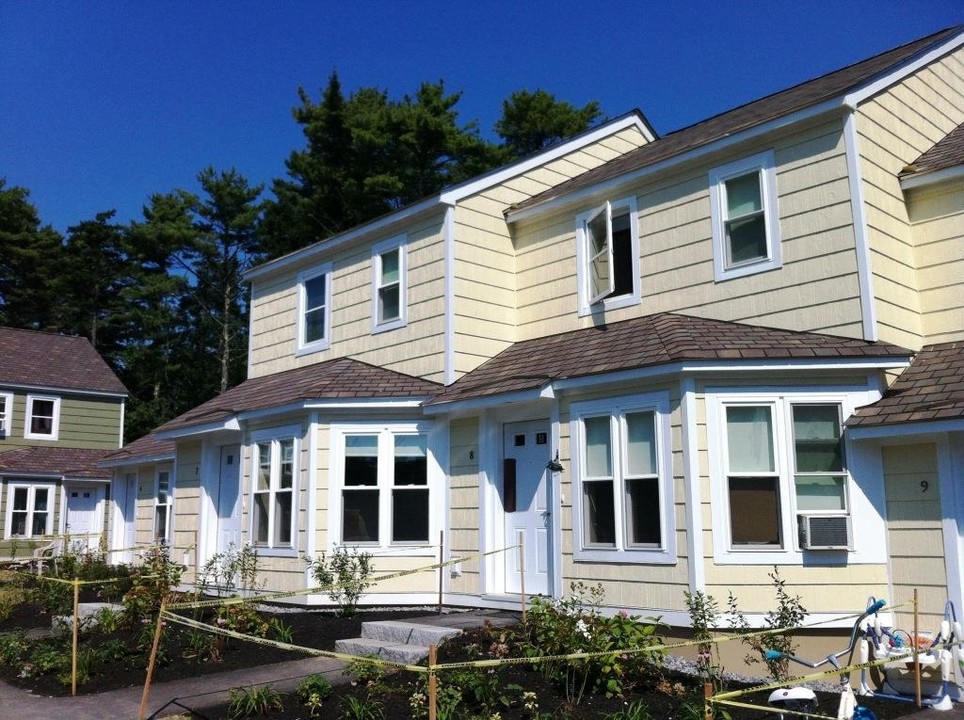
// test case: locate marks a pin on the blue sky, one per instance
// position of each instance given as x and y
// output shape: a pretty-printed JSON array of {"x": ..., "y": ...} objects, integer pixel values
[{"x": 104, "y": 103}]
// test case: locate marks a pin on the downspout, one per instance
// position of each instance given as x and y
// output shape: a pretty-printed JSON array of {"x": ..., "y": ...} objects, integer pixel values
[{"x": 868, "y": 310}]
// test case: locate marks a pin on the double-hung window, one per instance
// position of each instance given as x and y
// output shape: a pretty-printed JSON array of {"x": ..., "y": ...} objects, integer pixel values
[
  {"x": 607, "y": 255},
  {"x": 30, "y": 510},
  {"x": 384, "y": 484},
  {"x": 625, "y": 497},
  {"x": 43, "y": 418},
  {"x": 6, "y": 414},
  {"x": 273, "y": 493},
  {"x": 389, "y": 288},
  {"x": 746, "y": 228},
  {"x": 314, "y": 309},
  {"x": 162, "y": 507},
  {"x": 780, "y": 457}
]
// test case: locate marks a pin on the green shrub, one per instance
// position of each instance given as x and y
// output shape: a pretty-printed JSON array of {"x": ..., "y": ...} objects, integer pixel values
[
  {"x": 345, "y": 575},
  {"x": 313, "y": 691}
]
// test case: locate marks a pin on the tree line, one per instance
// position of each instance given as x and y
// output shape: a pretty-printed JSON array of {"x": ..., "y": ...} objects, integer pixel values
[{"x": 162, "y": 298}]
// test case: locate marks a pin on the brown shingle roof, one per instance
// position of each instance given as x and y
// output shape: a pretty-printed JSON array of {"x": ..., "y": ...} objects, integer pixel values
[
  {"x": 946, "y": 153},
  {"x": 932, "y": 388},
  {"x": 143, "y": 448},
  {"x": 49, "y": 360},
  {"x": 68, "y": 462},
  {"x": 341, "y": 379},
  {"x": 648, "y": 341},
  {"x": 745, "y": 117}
]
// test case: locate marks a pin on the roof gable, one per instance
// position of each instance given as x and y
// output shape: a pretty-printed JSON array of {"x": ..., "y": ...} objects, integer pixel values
[
  {"x": 649, "y": 341},
  {"x": 48, "y": 360}
]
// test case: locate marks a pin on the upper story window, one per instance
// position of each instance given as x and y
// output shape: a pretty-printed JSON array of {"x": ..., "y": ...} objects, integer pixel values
[
  {"x": 389, "y": 287},
  {"x": 6, "y": 414},
  {"x": 746, "y": 227},
  {"x": 162, "y": 507},
  {"x": 29, "y": 510},
  {"x": 314, "y": 309},
  {"x": 624, "y": 479},
  {"x": 273, "y": 492},
  {"x": 607, "y": 256},
  {"x": 384, "y": 484},
  {"x": 782, "y": 461},
  {"x": 43, "y": 418}
]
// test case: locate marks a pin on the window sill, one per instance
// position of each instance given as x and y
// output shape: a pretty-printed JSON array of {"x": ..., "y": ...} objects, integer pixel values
[
  {"x": 312, "y": 348},
  {"x": 638, "y": 557},
  {"x": 608, "y": 304},
  {"x": 275, "y": 552},
  {"x": 389, "y": 326},
  {"x": 754, "y": 268}
]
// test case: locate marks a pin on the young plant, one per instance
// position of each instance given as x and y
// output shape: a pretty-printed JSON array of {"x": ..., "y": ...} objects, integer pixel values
[
  {"x": 362, "y": 707},
  {"x": 704, "y": 616},
  {"x": 246, "y": 702},
  {"x": 345, "y": 574},
  {"x": 313, "y": 691}
]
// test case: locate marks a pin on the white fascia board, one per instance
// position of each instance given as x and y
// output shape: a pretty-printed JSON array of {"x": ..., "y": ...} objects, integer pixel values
[
  {"x": 365, "y": 404},
  {"x": 384, "y": 224},
  {"x": 907, "y": 430},
  {"x": 134, "y": 460},
  {"x": 492, "y": 401},
  {"x": 855, "y": 97},
  {"x": 865, "y": 275},
  {"x": 501, "y": 175},
  {"x": 618, "y": 184},
  {"x": 53, "y": 390},
  {"x": 230, "y": 425},
  {"x": 35, "y": 475},
  {"x": 910, "y": 182}
]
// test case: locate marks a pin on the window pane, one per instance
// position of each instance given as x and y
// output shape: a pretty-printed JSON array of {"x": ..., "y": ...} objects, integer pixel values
[
  {"x": 40, "y": 500},
  {"x": 160, "y": 523},
  {"x": 282, "y": 518},
  {"x": 820, "y": 492},
  {"x": 361, "y": 460},
  {"x": 816, "y": 438},
  {"x": 641, "y": 443},
  {"x": 39, "y": 523},
  {"x": 411, "y": 467},
  {"x": 749, "y": 439},
  {"x": 754, "y": 511},
  {"x": 388, "y": 303},
  {"x": 315, "y": 325},
  {"x": 622, "y": 255},
  {"x": 642, "y": 512},
  {"x": 599, "y": 271},
  {"x": 389, "y": 267},
  {"x": 743, "y": 195},
  {"x": 261, "y": 503},
  {"x": 599, "y": 461},
  {"x": 360, "y": 519},
  {"x": 410, "y": 515},
  {"x": 18, "y": 523},
  {"x": 315, "y": 292},
  {"x": 163, "y": 487},
  {"x": 287, "y": 463},
  {"x": 599, "y": 515},
  {"x": 20, "y": 498},
  {"x": 264, "y": 466},
  {"x": 746, "y": 240}
]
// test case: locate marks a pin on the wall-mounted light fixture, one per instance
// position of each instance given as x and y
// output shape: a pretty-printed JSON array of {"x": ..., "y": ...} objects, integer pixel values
[{"x": 554, "y": 465}]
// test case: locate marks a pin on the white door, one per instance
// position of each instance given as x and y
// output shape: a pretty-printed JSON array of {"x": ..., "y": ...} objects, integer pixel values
[
  {"x": 124, "y": 529},
  {"x": 82, "y": 520},
  {"x": 228, "y": 498},
  {"x": 525, "y": 502}
]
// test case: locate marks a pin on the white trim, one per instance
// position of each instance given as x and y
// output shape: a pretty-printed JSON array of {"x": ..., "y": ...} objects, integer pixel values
[
  {"x": 230, "y": 424},
  {"x": 692, "y": 482},
  {"x": 618, "y": 184},
  {"x": 363, "y": 404},
  {"x": 399, "y": 243},
  {"x": 274, "y": 436},
  {"x": 48, "y": 389},
  {"x": 303, "y": 346},
  {"x": 448, "y": 241},
  {"x": 54, "y": 433},
  {"x": 120, "y": 428},
  {"x": 311, "y": 486},
  {"x": 865, "y": 276},
  {"x": 135, "y": 460},
  {"x": 555, "y": 501},
  {"x": 923, "y": 179},
  {"x": 615, "y": 409},
  {"x": 587, "y": 302},
  {"x": 905, "y": 431},
  {"x": 6, "y": 421},
  {"x": 764, "y": 165},
  {"x": 951, "y": 518}
]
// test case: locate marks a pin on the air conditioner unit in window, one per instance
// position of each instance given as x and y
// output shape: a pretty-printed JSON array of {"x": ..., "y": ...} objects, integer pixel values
[{"x": 824, "y": 532}]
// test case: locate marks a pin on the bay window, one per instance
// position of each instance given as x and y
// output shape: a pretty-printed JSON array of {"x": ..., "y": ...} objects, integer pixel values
[{"x": 273, "y": 493}]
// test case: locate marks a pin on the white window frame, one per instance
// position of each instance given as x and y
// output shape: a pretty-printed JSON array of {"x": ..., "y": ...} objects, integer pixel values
[
  {"x": 589, "y": 302},
  {"x": 31, "y": 489},
  {"x": 6, "y": 416},
  {"x": 617, "y": 409},
  {"x": 324, "y": 342},
  {"x": 765, "y": 165},
  {"x": 54, "y": 433},
  {"x": 399, "y": 245},
  {"x": 781, "y": 401},
  {"x": 169, "y": 505},
  {"x": 386, "y": 433},
  {"x": 274, "y": 437}
]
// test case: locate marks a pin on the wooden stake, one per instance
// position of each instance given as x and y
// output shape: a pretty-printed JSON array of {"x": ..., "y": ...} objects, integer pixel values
[
  {"x": 142, "y": 713},
  {"x": 522, "y": 574},
  {"x": 917, "y": 697},
  {"x": 441, "y": 569},
  {"x": 432, "y": 683},
  {"x": 707, "y": 696},
  {"x": 73, "y": 663}
]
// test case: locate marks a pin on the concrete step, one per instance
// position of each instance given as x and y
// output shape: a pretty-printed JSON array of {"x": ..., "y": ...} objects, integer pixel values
[
  {"x": 403, "y": 642},
  {"x": 395, "y": 652}
]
